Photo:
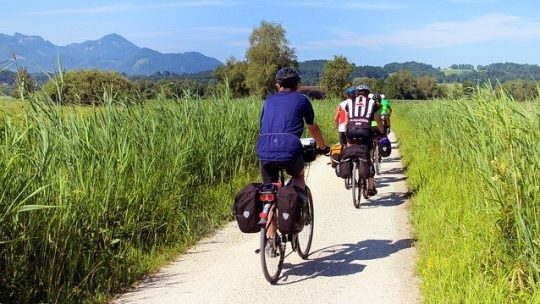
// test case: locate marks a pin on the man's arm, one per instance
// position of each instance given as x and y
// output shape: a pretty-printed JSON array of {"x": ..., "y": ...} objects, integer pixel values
[
  {"x": 379, "y": 121},
  {"x": 336, "y": 117},
  {"x": 317, "y": 134}
]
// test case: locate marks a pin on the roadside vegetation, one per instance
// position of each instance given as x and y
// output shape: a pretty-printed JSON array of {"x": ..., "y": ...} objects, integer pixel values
[
  {"x": 474, "y": 168},
  {"x": 94, "y": 198},
  {"x": 88, "y": 202}
]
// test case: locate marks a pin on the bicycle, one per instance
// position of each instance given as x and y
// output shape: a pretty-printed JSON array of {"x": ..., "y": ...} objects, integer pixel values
[
  {"x": 359, "y": 159},
  {"x": 272, "y": 248},
  {"x": 359, "y": 185}
]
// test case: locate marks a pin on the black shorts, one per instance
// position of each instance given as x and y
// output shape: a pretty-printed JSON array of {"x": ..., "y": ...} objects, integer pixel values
[
  {"x": 270, "y": 169},
  {"x": 376, "y": 132},
  {"x": 359, "y": 136}
]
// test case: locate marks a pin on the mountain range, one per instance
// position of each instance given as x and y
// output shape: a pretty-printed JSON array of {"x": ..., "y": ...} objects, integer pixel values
[{"x": 111, "y": 52}]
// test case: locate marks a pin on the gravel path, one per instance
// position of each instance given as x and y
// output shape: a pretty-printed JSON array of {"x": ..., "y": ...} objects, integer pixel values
[{"x": 361, "y": 255}]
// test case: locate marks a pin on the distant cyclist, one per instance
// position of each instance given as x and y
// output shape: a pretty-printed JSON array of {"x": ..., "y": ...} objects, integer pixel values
[
  {"x": 360, "y": 113},
  {"x": 374, "y": 126},
  {"x": 386, "y": 111},
  {"x": 340, "y": 118}
]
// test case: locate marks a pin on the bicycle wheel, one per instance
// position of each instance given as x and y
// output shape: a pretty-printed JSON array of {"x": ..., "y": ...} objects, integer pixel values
[
  {"x": 356, "y": 189},
  {"x": 377, "y": 159},
  {"x": 272, "y": 256},
  {"x": 305, "y": 237}
]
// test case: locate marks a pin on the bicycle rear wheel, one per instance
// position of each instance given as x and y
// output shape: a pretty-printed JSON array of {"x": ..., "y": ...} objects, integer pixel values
[
  {"x": 272, "y": 255},
  {"x": 356, "y": 182},
  {"x": 305, "y": 237}
]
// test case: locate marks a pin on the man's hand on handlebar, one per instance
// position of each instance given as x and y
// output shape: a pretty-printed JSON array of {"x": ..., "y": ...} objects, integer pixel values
[{"x": 325, "y": 151}]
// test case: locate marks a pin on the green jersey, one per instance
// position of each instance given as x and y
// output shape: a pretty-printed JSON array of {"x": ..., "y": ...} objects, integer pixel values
[{"x": 385, "y": 107}]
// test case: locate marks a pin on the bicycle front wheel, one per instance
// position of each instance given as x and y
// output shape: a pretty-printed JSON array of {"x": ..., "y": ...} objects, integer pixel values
[
  {"x": 356, "y": 189},
  {"x": 305, "y": 237},
  {"x": 272, "y": 255}
]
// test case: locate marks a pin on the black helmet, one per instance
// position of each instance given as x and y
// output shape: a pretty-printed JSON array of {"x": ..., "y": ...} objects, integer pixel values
[{"x": 288, "y": 77}]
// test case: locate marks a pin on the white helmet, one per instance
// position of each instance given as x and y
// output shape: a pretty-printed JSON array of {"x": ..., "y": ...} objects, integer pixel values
[
  {"x": 370, "y": 95},
  {"x": 382, "y": 96}
]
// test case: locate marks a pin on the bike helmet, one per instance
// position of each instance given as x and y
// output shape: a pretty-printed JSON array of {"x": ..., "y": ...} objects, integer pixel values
[
  {"x": 350, "y": 91},
  {"x": 363, "y": 87},
  {"x": 287, "y": 77},
  {"x": 382, "y": 96},
  {"x": 370, "y": 95}
]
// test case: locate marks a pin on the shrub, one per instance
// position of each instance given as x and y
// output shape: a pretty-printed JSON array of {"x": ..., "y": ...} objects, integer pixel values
[{"x": 89, "y": 87}]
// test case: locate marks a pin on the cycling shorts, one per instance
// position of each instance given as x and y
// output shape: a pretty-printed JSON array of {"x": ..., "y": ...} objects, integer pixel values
[{"x": 270, "y": 169}]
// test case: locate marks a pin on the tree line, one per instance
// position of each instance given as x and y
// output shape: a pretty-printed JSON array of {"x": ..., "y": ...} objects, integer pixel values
[{"x": 269, "y": 51}]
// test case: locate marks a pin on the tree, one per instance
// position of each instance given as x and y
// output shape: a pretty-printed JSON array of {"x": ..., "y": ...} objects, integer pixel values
[
  {"x": 24, "y": 84},
  {"x": 401, "y": 85},
  {"x": 233, "y": 74},
  {"x": 427, "y": 87},
  {"x": 268, "y": 52},
  {"x": 89, "y": 87},
  {"x": 520, "y": 89},
  {"x": 5, "y": 89},
  {"x": 335, "y": 76}
]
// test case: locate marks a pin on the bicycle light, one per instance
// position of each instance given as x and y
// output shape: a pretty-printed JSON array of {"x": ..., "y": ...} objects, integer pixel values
[{"x": 266, "y": 197}]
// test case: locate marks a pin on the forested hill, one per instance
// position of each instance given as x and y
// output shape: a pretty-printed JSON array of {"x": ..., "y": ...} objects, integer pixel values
[{"x": 501, "y": 72}]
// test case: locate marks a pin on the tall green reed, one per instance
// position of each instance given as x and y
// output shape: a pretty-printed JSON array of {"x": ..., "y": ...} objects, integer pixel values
[
  {"x": 475, "y": 167},
  {"x": 112, "y": 185}
]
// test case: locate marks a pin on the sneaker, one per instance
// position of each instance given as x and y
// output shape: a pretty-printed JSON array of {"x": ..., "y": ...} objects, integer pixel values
[{"x": 371, "y": 192}]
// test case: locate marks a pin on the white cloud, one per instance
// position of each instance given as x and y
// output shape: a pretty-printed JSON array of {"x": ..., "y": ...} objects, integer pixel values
[
  {"x": 487, "y": 28},
  {"x": 123, "y": 7},
  {"x": 219, "y": 30},
  {"x": 361, "y": 5},
  {"x": 88, "y": 10}
]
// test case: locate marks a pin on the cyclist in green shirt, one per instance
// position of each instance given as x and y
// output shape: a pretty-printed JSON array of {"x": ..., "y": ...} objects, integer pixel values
[{"x": 386, "y": 111}]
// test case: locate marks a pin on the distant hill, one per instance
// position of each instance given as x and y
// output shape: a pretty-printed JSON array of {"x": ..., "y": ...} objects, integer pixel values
[
  {"x": 496, "y": 72},
  {"x": 111, "y": 52}
]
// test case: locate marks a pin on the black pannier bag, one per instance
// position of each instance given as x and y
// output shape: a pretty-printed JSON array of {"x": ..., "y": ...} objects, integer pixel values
[
  {"x": 247, "y": 207},
  {"x": 290, "y": 206},
  {"x": 362, "y": 153},
  {"x": 344, "y": 168}
]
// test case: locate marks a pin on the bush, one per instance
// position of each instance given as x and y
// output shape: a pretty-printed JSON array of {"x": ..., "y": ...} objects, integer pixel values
[
  {"x": 89, "y": 87},
  {"x": 520, "y": 89}
]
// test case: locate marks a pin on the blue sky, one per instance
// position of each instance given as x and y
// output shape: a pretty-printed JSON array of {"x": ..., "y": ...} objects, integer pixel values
[{"x": 438, "y": 32}]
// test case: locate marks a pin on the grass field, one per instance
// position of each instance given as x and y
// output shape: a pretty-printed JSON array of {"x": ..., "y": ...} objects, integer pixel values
[
  {"x": 91, "y": 199},
  {"x": 474, "y": 167}
]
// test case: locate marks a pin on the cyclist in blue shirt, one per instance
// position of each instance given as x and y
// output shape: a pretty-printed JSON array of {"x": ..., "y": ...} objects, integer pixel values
[{"x": 282, "y": 124}]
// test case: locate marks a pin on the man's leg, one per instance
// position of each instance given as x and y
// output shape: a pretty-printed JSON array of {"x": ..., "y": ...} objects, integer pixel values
[{"x": 295, "y": 169}]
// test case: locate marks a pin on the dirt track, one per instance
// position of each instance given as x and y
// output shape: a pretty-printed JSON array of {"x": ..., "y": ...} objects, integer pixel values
[{"x": 361, "y": 255}]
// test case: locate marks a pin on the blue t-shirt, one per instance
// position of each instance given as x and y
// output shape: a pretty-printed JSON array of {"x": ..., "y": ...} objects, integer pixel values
[{"x": 282, "y": 125}]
